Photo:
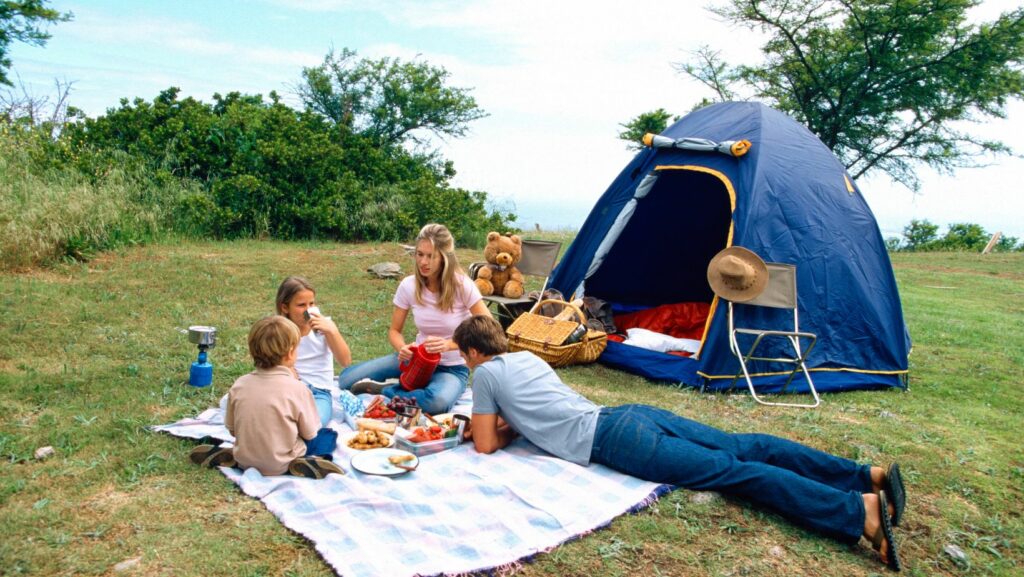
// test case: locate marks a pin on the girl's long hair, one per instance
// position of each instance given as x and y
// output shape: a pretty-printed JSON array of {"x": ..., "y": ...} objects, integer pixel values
[
  {"x": 441, "y": 239},
  {"x": 287, "y": 290}
]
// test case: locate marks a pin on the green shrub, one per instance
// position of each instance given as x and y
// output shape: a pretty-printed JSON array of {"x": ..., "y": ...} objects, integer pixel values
[
  {"x": 270, "y": 171},
  {"x": 922, "y": 236},
  {"x": 56, "y": 205}
]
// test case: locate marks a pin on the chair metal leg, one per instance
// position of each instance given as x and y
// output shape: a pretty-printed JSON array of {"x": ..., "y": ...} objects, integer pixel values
[{"x": 799, "y": 361}]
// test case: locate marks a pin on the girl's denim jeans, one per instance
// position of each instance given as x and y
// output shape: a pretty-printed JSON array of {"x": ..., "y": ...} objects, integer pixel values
[
  {"x": 445, "y": 387},
  {"x": 324, "y": 404}
]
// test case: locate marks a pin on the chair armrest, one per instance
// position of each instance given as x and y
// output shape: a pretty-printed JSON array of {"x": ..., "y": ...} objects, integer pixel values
[{"x": 474, "y": 268}]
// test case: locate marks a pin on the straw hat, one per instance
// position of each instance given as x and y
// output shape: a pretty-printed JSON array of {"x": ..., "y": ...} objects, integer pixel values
[{"x": 737, "y": 274}]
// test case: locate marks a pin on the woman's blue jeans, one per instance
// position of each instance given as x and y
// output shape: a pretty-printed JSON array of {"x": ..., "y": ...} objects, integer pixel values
[
  {"x": 445, "y": 387},
  {"x": 810, "y": 487}
]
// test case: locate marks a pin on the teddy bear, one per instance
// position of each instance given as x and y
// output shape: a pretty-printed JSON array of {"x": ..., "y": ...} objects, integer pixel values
[{"x": 500, "y": 275}]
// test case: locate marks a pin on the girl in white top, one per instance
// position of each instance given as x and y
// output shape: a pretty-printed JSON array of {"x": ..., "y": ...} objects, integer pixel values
[
  {"x": 320, "y": 342},
  {"x": 440, "y": 296}
]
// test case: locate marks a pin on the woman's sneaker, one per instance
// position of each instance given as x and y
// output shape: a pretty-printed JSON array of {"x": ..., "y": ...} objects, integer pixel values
[
  {"x": 368, "y": 386},
  {"x": 212, "y": 456},
  {"x": 313, "y": 467}
]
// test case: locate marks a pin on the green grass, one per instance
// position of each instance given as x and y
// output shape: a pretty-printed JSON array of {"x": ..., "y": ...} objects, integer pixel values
[{"x": 91, "y": 357}]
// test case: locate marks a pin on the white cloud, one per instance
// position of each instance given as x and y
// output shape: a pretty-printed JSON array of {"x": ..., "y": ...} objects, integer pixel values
[{"x": 569, "y": 75}]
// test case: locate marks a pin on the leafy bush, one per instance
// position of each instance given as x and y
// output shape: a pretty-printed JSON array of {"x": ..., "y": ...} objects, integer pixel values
[
  {"x": 270, "y": 171},
  {"x": 242, "y": 167},
  {"x": 51, "y": 209},
  {"x": 921, "y": 235}
]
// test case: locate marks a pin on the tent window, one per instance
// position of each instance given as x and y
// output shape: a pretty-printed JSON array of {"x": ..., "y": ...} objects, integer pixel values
[{"x": 662, "y": 254}]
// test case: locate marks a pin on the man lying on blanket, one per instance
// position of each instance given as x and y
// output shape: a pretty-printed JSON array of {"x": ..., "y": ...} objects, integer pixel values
[{"x": 518, "y": 393}]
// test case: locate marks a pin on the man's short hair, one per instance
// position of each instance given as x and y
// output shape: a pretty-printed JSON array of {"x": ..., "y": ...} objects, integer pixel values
[
  {"x": 483, "y": 333},
  {"x": 271, "y": 339}
]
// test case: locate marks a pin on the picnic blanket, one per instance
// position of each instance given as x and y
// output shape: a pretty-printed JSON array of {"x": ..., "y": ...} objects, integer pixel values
[{"x": 459, "y": 512}]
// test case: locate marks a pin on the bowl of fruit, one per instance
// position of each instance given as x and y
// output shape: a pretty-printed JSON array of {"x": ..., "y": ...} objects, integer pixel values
[
  {"x": 379, "y": 409},
  {"x": 394, "y": 409}
]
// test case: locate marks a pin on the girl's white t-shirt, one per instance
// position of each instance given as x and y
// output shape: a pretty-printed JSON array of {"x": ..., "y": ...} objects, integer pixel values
[
  {"x": 314, "y": 361},
  {"x": 432, "y": 321}
]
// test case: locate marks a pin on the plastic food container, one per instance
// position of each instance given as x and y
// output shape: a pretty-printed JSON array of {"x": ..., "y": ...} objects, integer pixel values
[
  {"x": 426, "y": 447},
  {"x": 430, "y": 447}
]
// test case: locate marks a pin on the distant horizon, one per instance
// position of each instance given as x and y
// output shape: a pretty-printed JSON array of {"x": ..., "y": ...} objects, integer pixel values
[{"x": 567, "y": 215}]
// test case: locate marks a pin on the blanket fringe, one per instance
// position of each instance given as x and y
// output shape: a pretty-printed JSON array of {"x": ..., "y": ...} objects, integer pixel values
[
  {"x": 499, "y": 571},
  {"x": 649, "y": 500}
]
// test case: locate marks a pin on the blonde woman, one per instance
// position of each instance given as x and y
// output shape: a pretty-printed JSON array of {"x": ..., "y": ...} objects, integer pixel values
[{"x": 440, "y": 296}]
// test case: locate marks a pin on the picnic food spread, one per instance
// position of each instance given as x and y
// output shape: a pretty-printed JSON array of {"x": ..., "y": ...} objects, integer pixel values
[
  {"x": 365, "y": 424},
  {"x": 400, "y": 421},
  {"x": 424, "y": 434},
  {"x": 387, "y": 462},
  {"x": 401, "y": 459},
  {"x": 403, "y": 405},
  {"x": 364, "y": 440},
  {"x": 378, "y": 409}
]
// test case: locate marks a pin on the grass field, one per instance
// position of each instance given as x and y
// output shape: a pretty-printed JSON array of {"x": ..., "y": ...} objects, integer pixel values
[{"x": 91, "y": 357}]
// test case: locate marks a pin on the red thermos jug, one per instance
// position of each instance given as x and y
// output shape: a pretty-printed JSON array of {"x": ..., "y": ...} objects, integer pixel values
[{"x": 416, "y": 372}]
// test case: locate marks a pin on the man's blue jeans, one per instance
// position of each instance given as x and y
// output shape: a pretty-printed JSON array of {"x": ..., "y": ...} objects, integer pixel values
[
  {"x": 810, "y": 487},
  {"x": 445, "y": 387}
]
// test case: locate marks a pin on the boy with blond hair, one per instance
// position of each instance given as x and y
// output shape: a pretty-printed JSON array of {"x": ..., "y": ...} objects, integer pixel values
[{"x": 272, "y": 414}]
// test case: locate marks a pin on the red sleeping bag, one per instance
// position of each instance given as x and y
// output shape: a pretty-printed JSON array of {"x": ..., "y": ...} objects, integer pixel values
[{"x": 680, "y": 320}]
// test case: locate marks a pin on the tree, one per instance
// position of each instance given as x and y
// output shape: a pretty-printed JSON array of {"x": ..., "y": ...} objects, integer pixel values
[
  {"x": 920, "y": 234},
  {"x": 885, "y": 84},
  {"x": 22, "y": 21},
  {"x": 1007, "y": 244},
  {"x": 964, "y": 236},
  {"x": 654, "y": 122},
  {"x": 387, "y": 100},
  {"x": 268, "y": 170}
]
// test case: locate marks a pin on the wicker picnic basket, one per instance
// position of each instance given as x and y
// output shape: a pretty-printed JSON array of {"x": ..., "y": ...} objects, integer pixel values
[{"x": 543, "y": 336}]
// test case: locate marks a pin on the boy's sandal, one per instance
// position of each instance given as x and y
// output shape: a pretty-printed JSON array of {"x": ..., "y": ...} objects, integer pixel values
[
  {"x": 212, "y": 456},
  {"x": 895, "y": 491},
  {"x": 313, "y": 467},
  {"x": 208, "y": 440},
  {"x": 884, "y": 536}
]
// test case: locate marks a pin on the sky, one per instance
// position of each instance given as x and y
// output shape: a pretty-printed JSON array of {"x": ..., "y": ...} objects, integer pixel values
[{"x": 556, "y": 78}]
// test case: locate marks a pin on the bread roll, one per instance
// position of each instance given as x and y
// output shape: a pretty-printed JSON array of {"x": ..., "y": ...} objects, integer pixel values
[{"x": 375, "y": 425}]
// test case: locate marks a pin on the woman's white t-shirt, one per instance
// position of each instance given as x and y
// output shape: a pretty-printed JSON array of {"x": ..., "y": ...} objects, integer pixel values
[{"x": 430, "y": 320}]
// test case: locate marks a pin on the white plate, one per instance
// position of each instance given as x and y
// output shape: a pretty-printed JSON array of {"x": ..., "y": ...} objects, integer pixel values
[
  {"x": 344, "y": 438},
  {"x": 375, "y": 462}
]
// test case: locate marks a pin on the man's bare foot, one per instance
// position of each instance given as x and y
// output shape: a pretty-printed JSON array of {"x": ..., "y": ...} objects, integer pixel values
[
  {"x": 878, "y": 530},
  {"x": 877, "y": 479}
]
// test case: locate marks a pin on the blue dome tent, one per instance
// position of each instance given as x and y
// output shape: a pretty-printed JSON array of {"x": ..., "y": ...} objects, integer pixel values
[{"x": 648, "y": 241}]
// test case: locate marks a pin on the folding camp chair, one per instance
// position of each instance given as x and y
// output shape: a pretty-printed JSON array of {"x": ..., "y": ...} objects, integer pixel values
[
  {"x": 780, "y": 293},
  {"x": 538, "y": 260}
]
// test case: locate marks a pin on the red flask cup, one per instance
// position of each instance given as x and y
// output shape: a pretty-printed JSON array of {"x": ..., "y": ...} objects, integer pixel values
[{"x": 416, "y": 372}]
